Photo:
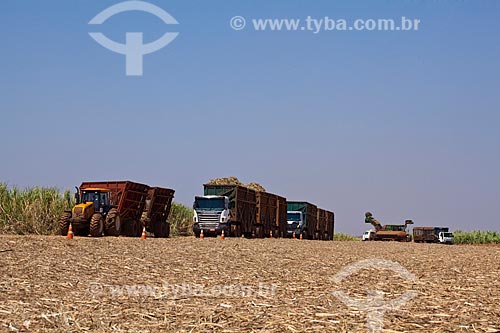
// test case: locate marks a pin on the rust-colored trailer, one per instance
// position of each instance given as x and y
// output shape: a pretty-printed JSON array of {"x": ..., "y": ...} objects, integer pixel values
[
  {"x": 271, "y": 215},
  {"x": 330, "y": 226},
  {"x": 324, "y": 225},
  {"x": 158, "y": 204}
]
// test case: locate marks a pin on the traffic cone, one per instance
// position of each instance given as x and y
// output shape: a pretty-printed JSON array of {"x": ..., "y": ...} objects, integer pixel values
[
  {"x": 300, "y": 236},
  {"x": 222, "y": 237},
  {"x": 201, "y": 234},
  {"x": 293, "y": 235},
  {"x": 271, "y": 234},
  {"x": 70, "y": 232},
  {"x": 143, "y": 236}
]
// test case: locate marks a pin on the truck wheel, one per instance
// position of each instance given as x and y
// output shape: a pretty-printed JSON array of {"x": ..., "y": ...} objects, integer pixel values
[
  {"x": 237, "y": 230},
  {"x": 259, "y": 232},
  {"x": 113, "y": 223},
  {"x": 64, "y": 223},
  {"x": 96, "y": 225}
]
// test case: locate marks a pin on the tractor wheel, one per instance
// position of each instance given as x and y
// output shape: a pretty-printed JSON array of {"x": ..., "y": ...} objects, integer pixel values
[
  {"x": 64, "y": 223},
  {"x": 96, "y": 225},
  {"x": 113, "y": 223}
]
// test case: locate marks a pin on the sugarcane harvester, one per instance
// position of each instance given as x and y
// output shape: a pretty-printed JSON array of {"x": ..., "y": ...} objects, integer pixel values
[{"x": 390, "y": 232}]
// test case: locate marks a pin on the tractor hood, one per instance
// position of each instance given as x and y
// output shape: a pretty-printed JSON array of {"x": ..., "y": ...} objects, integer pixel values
[{"x": 83, "y": 210}]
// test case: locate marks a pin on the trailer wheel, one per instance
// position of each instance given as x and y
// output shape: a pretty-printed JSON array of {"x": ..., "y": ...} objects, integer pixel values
[
  {"x": 64, "y": 223},
  {"x": 132, "y": 228},
  {"x": 160, "y": 230},
  {"x": 96, "y": 225},
  {"x": 113, "y": 223}
]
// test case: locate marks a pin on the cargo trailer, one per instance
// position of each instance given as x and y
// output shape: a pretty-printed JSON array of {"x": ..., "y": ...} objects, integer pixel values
[
  {"x": 432, "y": 235},
  {"x": 158, "y": 204},
  {"x": 328, "y": 231},
  {"x": 271, "y": 214}
]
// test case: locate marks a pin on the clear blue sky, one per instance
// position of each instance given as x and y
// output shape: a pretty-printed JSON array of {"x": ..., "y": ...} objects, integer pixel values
[{"x": 404, "y": 124}]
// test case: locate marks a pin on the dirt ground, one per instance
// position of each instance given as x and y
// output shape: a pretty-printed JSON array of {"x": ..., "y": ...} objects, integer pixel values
[{"x": 51, "y": 284}]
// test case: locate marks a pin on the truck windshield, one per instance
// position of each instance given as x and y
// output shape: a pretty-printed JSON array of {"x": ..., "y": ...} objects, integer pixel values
[
  {"x": 209, "y": 204},
  {"x": 293, "y": 217},
  {"x": 447, "y": 234}
]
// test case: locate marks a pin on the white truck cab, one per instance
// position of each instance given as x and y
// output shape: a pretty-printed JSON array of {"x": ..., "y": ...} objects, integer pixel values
[
  {"x": 211, "y": 214},
  {"x": 445, "y": 238},
  {"x": 368, "y": 235}
]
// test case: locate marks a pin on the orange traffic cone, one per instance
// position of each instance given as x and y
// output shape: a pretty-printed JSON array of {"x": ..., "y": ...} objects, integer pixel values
[
  {"x": 222, "y": 237},
  {"x": 271, "y": 234},
  {"x": 143, "y": 236},
  {"x": 300, "y": 236},
  {"x": 201, "y": 234},
  {"x": 293, "y": 235},
  {"x": 70, "y": 232}
]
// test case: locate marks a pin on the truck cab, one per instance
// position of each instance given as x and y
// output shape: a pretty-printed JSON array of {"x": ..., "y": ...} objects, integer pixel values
[
  {"x": 445, "y": 237},
  {"x": 211, "y": 214},
  {"x": 295, "y": 223},
  {"x": 368, "y": 235}
]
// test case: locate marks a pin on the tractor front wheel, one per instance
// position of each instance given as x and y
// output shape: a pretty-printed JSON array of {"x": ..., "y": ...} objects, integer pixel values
[
  {"x": 64, "y": 223},
  {"x": 96, "y": 225}
]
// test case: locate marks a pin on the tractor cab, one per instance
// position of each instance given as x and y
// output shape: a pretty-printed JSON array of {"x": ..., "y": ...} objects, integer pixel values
[
  {"x": 90, "y": 201},
  {"x": 98, "y": 196}
]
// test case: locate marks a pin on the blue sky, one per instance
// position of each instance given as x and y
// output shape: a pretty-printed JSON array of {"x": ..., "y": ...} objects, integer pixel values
[{"x": 404, "y": 124}]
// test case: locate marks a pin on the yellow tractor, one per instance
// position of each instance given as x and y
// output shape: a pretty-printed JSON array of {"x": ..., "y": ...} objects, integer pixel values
[{"x": 93, "y": 214}]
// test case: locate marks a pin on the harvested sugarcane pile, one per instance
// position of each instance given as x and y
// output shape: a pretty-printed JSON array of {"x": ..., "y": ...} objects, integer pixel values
[
  {"x": 235, "y": 181},
  {"x": 256, "y": 187}
]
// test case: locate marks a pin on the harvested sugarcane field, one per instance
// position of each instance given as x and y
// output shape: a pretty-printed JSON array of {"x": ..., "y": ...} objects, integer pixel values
[
  {"x": 234, "y": 166},
  {"x": 188, "y": 284}
]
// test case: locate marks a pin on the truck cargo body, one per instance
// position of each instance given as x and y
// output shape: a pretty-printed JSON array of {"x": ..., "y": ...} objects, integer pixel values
[
  {"x": 129, "y": 198},
  {"x": 228, "y": 208},
  {"x": 330, "y": 226},
  {"x": 320, "y": 226},
  {"x": 301, "y": 219},
  {"x": 324, "y": 225},
  {"x": 158, "y": 204},
  {"x": 271, "y": 214},
  {"x": 428, "y": 234}
]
